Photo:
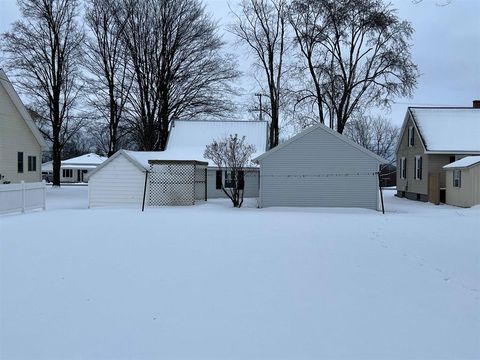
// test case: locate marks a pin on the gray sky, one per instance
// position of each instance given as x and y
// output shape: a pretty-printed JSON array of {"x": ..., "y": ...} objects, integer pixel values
[{"x": 446, "y": 47}]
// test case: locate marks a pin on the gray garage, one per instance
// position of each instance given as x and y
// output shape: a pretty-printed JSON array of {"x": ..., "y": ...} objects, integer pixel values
[{"x": 319, "y": 168}]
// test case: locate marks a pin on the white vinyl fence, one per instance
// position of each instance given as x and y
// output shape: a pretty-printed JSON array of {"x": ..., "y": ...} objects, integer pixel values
[{"x": 22, "y": 197}]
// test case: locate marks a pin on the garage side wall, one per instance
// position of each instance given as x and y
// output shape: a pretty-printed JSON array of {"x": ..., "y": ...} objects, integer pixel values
[
  {"x": 119, "y": 183},
  {"x": 321, "y": 170}
]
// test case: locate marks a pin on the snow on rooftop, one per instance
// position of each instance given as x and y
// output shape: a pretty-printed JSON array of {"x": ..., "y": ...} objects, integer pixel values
[
  {"x": 87, "y": 159},
  {"x": 188, "y": 139},
  {"x": 462, "y": 163},
  {"x": 449, "y": 129}
]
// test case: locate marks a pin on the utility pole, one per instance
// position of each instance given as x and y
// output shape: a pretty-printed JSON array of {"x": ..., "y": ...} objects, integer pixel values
[{"x": 259, "y": 95}]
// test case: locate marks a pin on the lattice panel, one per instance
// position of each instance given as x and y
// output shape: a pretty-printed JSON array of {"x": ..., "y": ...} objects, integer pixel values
[{"x": 172, "y": 185}]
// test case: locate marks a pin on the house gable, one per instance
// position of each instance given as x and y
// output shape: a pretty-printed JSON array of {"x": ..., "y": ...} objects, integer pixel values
[{"x": 329, "y": 134}]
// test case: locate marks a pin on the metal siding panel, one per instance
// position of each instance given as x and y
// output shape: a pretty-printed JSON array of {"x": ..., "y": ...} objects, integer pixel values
[{"x": 326, "y": 161}]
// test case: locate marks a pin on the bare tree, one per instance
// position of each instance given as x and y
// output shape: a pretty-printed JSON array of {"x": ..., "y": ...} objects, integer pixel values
[
  {"x": 374, "y": 133},
  {"x": 356, "y": 53},
  {"x": 232, "y": 154},
  {"x": 44, "y": 51},
  {"x": 179, "y": 71},
  {"x": 109, "y": 83},
  {"x": 261, "y": 24}
]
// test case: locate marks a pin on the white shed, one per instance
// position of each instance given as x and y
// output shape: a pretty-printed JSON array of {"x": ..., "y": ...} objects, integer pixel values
[
  {"x": 135, "y": 178},
  {"x": 319, "y": 168},
  {"x": 119, "y": 181},
  {"x": 463, "y": 182}
]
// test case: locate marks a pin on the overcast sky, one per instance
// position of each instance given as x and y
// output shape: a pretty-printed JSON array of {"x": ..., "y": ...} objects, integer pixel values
[{"x": 446, "y": 47}]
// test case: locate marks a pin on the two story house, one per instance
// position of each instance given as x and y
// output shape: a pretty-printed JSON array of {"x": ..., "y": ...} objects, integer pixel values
[
  {"x": 21, "y": 143},
  {"x": 430, "y": 138}
]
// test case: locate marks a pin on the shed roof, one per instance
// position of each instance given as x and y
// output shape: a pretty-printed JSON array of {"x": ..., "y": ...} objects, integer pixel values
[
  {"x": 463, "y": 163},
  {"x": 448, "y": 130},
  {"x": 17, "y": 102},
  {"x": 328, "y": 130}
]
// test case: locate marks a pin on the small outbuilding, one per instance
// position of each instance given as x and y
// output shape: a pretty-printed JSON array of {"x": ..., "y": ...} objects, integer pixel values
[
  {"x": 463, "y": 182},
  {"x": 320, "y": 168}
]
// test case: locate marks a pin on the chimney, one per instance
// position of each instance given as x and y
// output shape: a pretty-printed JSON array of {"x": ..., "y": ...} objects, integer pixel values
[{"x": 476, "y": 104}]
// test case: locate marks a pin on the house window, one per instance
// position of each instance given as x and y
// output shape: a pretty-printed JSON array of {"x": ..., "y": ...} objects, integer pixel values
[
  {"x": 229, "y": 179},
  {"x": 20, "y": 162},
  {"x": 411, "y": 136},
  {"x": 67, "y": 173},
  {"x": 457, "y": 178},
  {"x": 418, "y": 168},
  {"x": 32, "y": 163},
  {"x": 218, "y": 180},
  {"x": 403, "y": 168}
]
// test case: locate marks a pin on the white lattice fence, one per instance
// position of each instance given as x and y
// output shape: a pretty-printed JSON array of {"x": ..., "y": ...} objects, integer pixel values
[{"x": 175, "y": 183}]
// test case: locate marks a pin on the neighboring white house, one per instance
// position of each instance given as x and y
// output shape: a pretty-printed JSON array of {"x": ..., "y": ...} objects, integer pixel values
[
  {"x": 21, "y": 143},
  {"x": 121, "y": 179},
  {"x": 319, "y": 168},
  {"x": 463, "y": 182},
  {"x": 74, "y": 170}
]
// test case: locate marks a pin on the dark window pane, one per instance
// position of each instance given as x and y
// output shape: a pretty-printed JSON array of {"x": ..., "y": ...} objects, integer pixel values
[
  {"x": 20, "y": 162},
  {"x": 218, "y": 182}
]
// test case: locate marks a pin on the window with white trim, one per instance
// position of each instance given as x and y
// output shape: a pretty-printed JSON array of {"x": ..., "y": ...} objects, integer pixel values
[
  {"x": 457, "y": 178},
  {"x": 67, "y": 173},
  {"x": 418, "y": 168},
  {"x": 403, "y": 168},
  {"x": 32, "y": 163},
  {"x": 411, "y": 136}
]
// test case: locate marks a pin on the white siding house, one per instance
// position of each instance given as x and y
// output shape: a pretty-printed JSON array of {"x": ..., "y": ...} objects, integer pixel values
[
  {"x": 120, "y": 180},
  {"x": 319, "y": 168},
  {"x": 21, "y": 143},
  {"x": 74, "y": 170}
]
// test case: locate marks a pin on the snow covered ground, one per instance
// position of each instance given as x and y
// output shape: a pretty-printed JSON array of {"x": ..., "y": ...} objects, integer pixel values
[{"x": 212, "y": 282}]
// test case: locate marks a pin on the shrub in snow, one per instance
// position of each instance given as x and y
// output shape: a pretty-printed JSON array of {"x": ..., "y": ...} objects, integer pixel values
[{"x": 231, "y": 155}]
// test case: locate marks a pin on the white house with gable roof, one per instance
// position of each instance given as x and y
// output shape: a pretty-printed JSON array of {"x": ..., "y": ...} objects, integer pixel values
[
  {"x": 21, "y": 143},
  {"x": 123, "y": 178},
  {"x": 74, "y": 170}
]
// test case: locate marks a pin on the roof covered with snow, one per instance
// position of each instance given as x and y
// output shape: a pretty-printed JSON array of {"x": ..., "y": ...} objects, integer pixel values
[
  {"x": 188, "y": 139},
  {"x": 87, "y": 159},
  {"x": 463, "y": 163},
  {"x": 453, "y": 130}
]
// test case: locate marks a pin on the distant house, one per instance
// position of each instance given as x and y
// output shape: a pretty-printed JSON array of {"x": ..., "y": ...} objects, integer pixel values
[
  {"x": 463, "y": 182},
  {"x": 74, "y": 170},
  {"x": 320, "y": 168},
  {"x": 431, "y": 138},
  {"x": 21, "y": 143},
  {"x": 121, "y": 179}
]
